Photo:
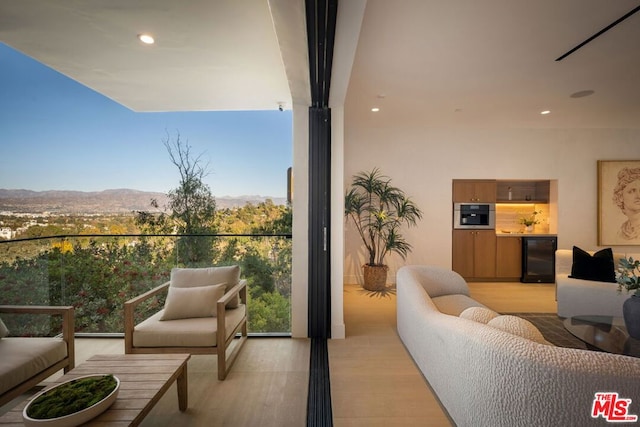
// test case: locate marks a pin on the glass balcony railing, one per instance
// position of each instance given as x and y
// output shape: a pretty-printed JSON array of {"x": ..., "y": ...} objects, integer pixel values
[{"x": 97, "y": 273}]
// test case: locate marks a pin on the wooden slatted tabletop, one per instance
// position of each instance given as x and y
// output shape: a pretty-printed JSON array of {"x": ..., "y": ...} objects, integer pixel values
[{"x": 144, "y": 378}]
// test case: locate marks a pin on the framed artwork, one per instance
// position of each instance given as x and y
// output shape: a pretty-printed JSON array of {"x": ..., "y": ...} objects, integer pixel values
[{"x": 618, "y": 202}]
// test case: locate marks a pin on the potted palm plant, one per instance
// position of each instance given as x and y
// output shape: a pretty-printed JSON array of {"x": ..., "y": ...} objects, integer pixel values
[{"x": 378, "y": 211}]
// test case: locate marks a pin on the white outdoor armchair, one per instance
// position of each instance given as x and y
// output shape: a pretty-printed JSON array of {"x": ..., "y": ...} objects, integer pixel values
[{"x": 205, "y": 313}]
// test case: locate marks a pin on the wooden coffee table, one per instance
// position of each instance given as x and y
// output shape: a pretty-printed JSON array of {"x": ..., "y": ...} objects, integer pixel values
[{"x": 144, "y": 378}]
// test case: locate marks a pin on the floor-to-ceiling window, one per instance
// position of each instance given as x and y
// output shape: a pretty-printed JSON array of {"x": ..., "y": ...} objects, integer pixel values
[{"x": 78, "y": 171}]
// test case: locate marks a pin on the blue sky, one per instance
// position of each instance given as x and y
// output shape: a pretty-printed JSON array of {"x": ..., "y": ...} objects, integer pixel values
[{"x": 56, "y": 134}]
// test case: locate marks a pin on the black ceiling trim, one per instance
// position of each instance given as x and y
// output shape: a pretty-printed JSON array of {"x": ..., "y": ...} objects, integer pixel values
[
  {"x": 321, "y": 29},
  {"x": 599, "y": 33}
]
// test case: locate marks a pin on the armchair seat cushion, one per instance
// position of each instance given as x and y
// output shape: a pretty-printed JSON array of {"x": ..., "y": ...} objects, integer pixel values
[
  {"x": 24, "y": 358},
  {"x": 193, "y": 332}
]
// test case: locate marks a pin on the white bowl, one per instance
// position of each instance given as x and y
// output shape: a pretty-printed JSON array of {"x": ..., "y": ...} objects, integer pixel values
[{"x": 76, "y": 418}]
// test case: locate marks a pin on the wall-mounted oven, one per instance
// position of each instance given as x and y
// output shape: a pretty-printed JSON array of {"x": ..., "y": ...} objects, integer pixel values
[{"x": 474, "y": 215}]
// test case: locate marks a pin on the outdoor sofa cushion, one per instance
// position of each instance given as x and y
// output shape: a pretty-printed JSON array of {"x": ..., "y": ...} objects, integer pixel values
[{"x": 23, "y": 358}]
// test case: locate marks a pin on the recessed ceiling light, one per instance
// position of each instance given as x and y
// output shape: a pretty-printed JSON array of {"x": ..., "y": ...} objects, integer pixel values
[
  {"x": 146, "y": 38},
  {"x": 545, "y": 112},
  {"x": 375, "y": 109}
]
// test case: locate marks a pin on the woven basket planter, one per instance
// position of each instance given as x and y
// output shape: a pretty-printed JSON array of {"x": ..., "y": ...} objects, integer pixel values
[{"x": 375, "y": 277}]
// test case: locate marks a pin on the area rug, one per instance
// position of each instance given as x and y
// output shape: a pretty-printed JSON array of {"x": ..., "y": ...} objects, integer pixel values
[{"x": 550, "y": 325}]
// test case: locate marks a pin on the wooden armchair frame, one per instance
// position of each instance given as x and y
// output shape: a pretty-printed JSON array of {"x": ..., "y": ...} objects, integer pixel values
[
  {"x": 68, "y": 336},
  {"x": 222, "y": 342}
]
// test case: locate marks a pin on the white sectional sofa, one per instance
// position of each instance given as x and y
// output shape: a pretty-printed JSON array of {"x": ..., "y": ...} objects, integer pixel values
[
  {"x": 578, "y": 297},
  {"x": 485, "y": 376}
]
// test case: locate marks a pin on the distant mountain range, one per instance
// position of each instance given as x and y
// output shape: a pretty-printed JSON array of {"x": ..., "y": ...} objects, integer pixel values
[{"x": 107, "y": 201}]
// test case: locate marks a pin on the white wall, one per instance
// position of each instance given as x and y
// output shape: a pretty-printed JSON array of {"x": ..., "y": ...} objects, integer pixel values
[
  {"x": 337, "y": 223},
  {"x": 423, "y": 161}
]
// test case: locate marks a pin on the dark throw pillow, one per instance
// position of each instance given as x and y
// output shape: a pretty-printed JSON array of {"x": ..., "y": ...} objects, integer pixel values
[{"x": 599, "y": 266}]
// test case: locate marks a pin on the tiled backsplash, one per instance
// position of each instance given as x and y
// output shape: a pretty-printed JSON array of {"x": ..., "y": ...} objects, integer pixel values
[{"x": 508, "y": 217}]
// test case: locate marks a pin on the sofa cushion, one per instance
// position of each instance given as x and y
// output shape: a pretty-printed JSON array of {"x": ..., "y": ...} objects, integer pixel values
[
  {"x": 192, "y": 302},
  {"x": 196, "y": 332},
  {"x": 518, "y": 326},
  {"x": 192, "y": 277},
  {"x": 23, "y": 358},
  {"x": 597, "y": 267},
  {"x": 454, "y": 304},
  {"x": 479, "y": 314},
  {"x": 4, "y": 332}
]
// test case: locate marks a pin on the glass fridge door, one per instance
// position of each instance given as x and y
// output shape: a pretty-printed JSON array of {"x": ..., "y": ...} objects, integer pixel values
[{"x": 538, "y": 259}]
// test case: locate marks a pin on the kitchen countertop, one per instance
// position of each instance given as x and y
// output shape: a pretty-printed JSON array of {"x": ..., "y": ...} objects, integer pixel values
[{"x": 520, "y": 234}]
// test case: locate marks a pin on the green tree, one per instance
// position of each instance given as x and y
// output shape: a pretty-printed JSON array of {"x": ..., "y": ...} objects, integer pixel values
[
  {"x": 269, "y": 312},
  {"x": 191, "y": 207},
  {"x": 258, "y": 271}
]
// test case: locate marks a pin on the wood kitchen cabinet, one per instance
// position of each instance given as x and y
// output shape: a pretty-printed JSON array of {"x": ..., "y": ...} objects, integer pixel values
[
  {"x": 474, "y": 253},
  {"x": 509, "y": 258},
  {"x": 523, "y": 191},
  {"x": 472, "y": 190}
]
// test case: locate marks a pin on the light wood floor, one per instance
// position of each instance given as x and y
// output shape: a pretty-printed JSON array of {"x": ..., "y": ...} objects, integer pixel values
[
  {"x": 267, "y": 386},
  {"x": 374, "y": 381}
]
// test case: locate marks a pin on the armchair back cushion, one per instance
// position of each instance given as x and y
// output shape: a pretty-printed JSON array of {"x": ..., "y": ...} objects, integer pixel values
[
  {"x": 193, "y": 302},
  {"x": 194, "y": 277}
]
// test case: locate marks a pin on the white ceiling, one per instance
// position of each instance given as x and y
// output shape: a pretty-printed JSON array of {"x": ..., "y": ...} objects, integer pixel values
[
  {"x": 491, "y": 63},
  {"x": 208, "y": 55},
  {"x": 473, "y": 63}
]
